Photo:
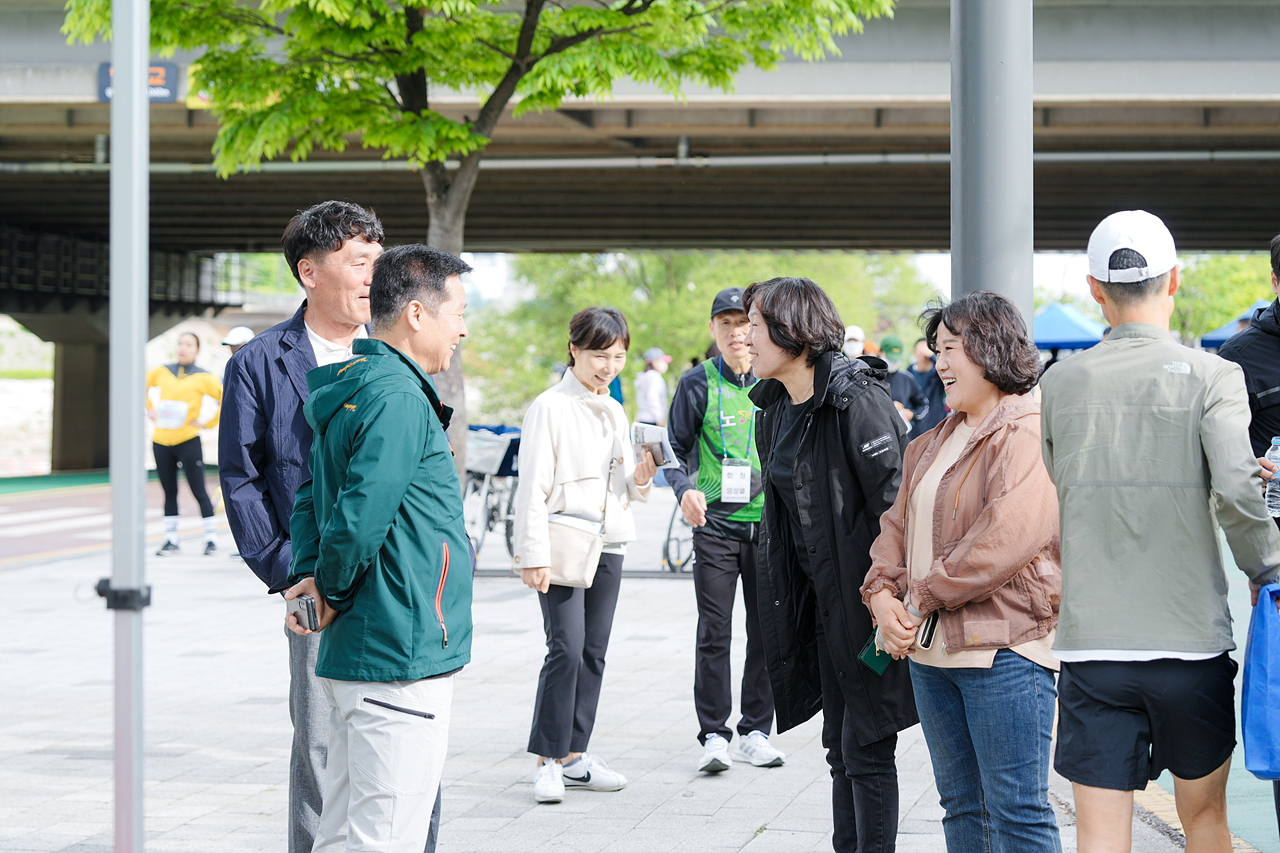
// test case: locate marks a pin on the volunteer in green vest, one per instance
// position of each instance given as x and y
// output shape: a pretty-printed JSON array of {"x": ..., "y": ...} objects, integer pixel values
[{"x": 711, "y": 428}]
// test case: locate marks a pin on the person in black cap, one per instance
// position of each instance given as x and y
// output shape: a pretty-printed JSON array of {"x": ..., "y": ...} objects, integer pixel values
[{"x": 711, "y": 429}]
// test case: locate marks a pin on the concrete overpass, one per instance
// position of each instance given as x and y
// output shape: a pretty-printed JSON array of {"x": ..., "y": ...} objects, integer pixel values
[
  {"x": 1167, "y": 104},
  {"x": 1170, "y": 105}
]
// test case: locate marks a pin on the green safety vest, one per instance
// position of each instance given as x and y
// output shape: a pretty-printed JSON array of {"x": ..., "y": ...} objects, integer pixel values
[{"x": 739, "y": 412}]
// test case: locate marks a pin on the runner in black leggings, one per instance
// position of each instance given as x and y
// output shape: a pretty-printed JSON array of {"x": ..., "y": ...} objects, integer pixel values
[{"x": 175, "y": 396}]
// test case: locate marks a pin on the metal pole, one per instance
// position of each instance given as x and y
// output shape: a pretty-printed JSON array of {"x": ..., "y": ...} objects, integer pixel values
[
  {"x": 130, "y": 217},
  {"x": 992, "y": 147}
]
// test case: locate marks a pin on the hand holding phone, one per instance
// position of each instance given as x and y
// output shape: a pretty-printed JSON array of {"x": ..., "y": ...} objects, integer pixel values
[{"x": 303, "y": 608}]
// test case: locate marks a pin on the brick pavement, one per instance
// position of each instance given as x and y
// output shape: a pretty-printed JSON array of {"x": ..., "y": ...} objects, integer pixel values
[{"x": 217, "y": 728}]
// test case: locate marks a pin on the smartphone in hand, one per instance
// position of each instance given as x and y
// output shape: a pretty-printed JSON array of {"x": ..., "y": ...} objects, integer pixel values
[{"x": 304, "y": 607}]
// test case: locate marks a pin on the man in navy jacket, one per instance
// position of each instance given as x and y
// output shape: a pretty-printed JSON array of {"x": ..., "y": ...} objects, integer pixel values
[{"x": 265, "y": 441}]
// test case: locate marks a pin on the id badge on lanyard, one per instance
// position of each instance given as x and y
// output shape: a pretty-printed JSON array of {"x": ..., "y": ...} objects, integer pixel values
[
  {"x": 735, "y": 481},
  {"x": 735, "y": 474}
]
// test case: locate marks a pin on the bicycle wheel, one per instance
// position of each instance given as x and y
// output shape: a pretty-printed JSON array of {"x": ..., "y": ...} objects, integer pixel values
[
  {"x": 475, "y": 509},
  {"x": 677, "y": 550}
]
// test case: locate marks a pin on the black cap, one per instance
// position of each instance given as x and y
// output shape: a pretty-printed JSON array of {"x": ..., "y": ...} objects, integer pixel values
[{"x": 729, "y": 299}]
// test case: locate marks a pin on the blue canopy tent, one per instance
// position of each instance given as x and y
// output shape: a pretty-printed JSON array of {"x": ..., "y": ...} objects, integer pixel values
[
  {"x": 1061, "y": 326},
  {"x": 1219, "y": 336}
]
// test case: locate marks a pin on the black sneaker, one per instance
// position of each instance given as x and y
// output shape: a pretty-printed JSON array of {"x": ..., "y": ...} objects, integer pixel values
[
  {"x": 167, "y": 549},
  {"x": 210, "y": 549}
]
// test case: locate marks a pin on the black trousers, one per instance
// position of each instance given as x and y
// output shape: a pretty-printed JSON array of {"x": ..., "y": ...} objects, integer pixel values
[
  {"x": 190, "y": 455},
  {"x": 718, "y": 565},
  {"x": 577, "y": 623},
  {"x": 864, "y": 778}
]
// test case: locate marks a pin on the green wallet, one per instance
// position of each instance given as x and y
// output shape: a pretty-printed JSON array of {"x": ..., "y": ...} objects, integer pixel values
[{"x": 873, "y": 657}]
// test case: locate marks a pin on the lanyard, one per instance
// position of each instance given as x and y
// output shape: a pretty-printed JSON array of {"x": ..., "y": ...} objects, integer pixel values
[{"x": 724, "y": 447}]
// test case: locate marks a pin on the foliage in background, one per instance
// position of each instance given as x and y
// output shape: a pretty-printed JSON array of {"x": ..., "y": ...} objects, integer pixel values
[
  {"x": 513, "y": 351},
  {"x": 1217, "y": 288},
  {"x": 23, "y": 355}
]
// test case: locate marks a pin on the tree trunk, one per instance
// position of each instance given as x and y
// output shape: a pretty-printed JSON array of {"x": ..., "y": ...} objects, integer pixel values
[{"x": 445, "y": 232}]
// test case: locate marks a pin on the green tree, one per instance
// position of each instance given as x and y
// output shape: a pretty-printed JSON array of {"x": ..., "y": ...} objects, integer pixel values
[
  {"x": 666, "y": 297},
  {"x": 1216, "y": 288},
  {"x": 292, "y": 76}
]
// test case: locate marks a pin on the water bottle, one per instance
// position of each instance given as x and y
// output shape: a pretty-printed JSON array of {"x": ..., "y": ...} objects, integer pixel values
[{"x": 1273, "y": 486}]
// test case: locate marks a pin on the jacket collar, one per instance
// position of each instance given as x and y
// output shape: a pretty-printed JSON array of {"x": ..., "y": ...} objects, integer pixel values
[
  {"x": 297, "y": 355},
  {"x": 833, "y": 379},
  {"x": 1011, "y": 407},
  {"x": 1139, "y": 330},
  {"x": 373, "y": 346},
  {"x": 1267, "y": 320}
]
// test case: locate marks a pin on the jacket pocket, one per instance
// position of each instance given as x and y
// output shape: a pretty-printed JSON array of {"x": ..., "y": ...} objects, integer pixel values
[
  {"x": 424, "y": 714},
  {"x": 444, "y": 575}
]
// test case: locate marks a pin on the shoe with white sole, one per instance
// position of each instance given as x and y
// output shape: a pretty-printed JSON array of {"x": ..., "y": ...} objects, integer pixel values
[
  {"x": 548, "y": 782},
  {"x": 593, "y": 774},
  {"x": 756, "y": 749},
  {"x": 715, "y": 757}
]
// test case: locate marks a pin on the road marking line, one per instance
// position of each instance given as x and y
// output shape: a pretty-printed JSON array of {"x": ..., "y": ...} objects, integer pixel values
[{"x": 45, "y": 514}]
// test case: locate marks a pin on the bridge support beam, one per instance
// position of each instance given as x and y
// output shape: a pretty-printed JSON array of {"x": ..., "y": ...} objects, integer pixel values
[
  {"x": 81, "y": 400},
  {"x": 991, "y": 149}
]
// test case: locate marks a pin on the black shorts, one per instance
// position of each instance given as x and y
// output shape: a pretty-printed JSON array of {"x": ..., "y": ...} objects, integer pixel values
[{"x": 1123, "y": 723}]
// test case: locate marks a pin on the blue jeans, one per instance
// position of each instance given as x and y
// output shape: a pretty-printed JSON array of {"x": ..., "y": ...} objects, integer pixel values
[{"x": 989, "y": 733}]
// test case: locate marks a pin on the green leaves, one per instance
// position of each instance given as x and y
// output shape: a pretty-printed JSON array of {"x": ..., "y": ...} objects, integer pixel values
[
  {"x": 291, "y": 76},
  {"x": 1216, "y": 288},
  {"x": 666, "y": 297}
]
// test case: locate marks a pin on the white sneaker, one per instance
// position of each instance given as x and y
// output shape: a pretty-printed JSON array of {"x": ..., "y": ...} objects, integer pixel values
[
  {"x": 715, "y": 758},
  {"x": 593, "y": 774},
  {"x": 548, "y": 782},
  {"x": 755, "y": 748}
]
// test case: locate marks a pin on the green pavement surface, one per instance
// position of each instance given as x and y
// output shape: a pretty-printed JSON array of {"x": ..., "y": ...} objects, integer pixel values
[{"x": 70, "y": 479}]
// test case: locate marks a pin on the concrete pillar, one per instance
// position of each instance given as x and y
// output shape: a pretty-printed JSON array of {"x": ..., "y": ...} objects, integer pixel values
[
  {"x": 991, "y": 149},
  {"x": 81, "y": 400}
]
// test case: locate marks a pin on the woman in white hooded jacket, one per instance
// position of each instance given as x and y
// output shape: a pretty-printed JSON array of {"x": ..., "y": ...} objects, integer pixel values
[{"x": 575, "y": 450}]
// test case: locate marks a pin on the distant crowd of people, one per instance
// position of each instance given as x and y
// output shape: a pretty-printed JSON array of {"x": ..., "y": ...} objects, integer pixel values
[{"x": 964, "y": 542}]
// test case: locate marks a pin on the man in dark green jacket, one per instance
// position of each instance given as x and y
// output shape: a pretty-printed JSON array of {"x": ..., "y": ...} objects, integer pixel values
[{"x": 379, "y": 544}]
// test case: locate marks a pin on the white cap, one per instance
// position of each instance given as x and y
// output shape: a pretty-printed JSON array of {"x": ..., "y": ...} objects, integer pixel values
[
  {"x": 1140, "y": 231},
  {"x": 854, "y": 333},
  {"x": 238, "y": 336}
]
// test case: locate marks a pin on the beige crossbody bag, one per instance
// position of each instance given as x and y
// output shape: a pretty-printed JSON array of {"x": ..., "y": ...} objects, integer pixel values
[{"x": 576, "y": 543}]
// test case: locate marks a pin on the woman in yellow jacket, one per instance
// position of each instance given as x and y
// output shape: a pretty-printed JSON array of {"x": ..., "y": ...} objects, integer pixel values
[{"x": 175, "y": 397}]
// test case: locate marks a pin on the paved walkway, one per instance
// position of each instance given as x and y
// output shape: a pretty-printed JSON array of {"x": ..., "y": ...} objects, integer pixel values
[{"x": 217, "y": 727}]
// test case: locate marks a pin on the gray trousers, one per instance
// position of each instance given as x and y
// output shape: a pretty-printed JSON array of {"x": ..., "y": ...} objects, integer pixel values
[{"x": 309, "y": 713}]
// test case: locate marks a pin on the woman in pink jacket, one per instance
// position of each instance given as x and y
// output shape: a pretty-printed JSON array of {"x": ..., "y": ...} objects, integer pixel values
[{"x": 965, "y": 582}]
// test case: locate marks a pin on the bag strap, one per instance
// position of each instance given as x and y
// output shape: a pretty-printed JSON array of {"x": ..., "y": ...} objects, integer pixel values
[{"x": 608, "y": 480}]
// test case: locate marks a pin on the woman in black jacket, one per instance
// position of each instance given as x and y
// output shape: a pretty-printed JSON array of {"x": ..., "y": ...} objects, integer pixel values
[{"x": 831, "y": 448}]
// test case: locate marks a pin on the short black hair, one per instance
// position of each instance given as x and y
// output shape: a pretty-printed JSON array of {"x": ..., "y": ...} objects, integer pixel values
[
  {"x": 1125, "y": 292},
  {"x": 598, "y": 328},
  {"x": 1275, "y": 255},
  {"x": 995, "y": 338},
  {"x": 798, "y": 314},
  {"x": 409, "y": 273},
  {"x": 324, "y": 227}
]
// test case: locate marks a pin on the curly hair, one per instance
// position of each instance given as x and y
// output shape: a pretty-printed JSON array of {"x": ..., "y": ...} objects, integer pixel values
[
  {"x": 798, "y": 314},
  {"x": 994, "y": 335}
]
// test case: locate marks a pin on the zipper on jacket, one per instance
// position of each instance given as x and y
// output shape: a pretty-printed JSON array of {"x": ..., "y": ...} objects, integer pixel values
[
  {"x": 391, "y": 707},
  {"x": 444, "y": 574}
]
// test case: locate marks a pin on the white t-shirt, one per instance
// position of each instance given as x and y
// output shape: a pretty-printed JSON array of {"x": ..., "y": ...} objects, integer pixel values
[
  {"x": 327, "y": 352},
  {"x": 651, "y": 398}
]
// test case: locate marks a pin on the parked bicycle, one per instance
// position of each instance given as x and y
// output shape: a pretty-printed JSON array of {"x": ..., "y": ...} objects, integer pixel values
[
  {"x": 489, "y": 494},
  {"x": 677, "y": 550}
]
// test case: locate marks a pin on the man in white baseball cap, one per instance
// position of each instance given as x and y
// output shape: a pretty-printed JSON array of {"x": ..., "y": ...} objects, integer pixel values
[
  {"x": 237, "y": 337},
  {"x": 854, "y": 341},
  {"x": 1147, "y": 442}
]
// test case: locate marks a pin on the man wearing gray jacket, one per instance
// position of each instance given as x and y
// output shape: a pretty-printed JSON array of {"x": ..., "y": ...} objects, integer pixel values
[{"x": 1147, "y": 442}]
